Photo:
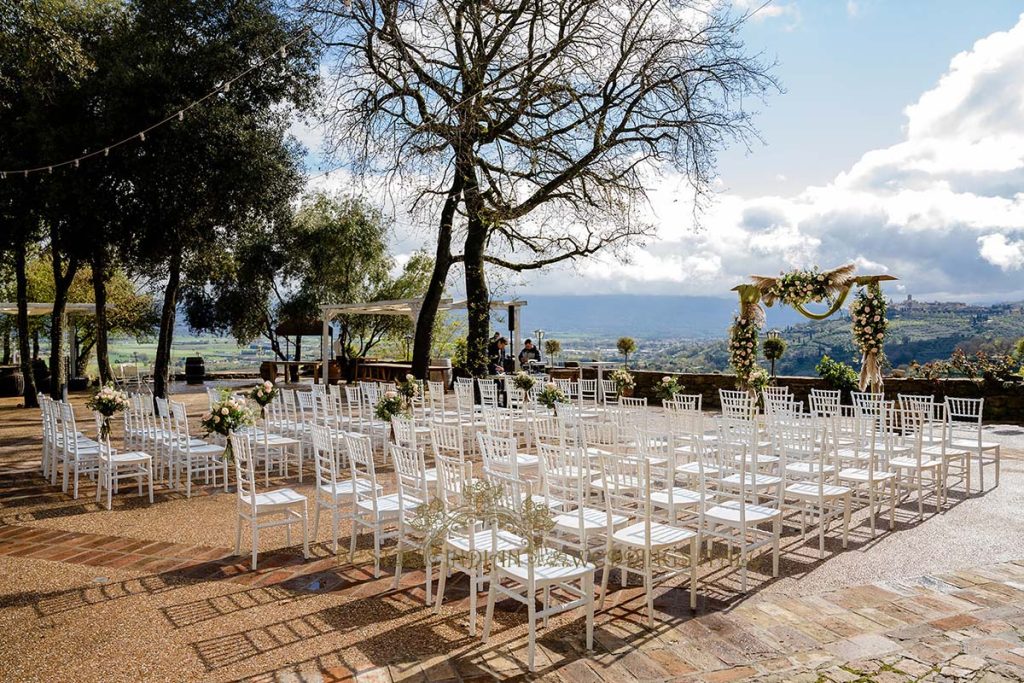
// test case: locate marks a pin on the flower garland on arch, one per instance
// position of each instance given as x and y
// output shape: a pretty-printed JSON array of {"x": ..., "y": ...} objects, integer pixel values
[
  {"x": 799, "y": 287},
  {"x": 867, "y": 313}
]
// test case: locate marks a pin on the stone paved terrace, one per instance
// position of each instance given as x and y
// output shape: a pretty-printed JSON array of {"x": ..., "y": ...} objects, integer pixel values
[{"x": 154, "y": 593}]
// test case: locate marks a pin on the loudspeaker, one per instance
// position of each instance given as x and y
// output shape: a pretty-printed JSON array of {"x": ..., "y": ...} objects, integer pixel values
[{"x": 511, "y": 318}]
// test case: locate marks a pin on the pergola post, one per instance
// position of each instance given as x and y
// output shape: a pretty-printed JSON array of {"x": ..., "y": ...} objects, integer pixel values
[{"x": 325, "y": 347}]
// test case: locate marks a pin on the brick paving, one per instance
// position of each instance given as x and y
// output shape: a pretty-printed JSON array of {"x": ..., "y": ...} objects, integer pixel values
[{"x": 965, "y": 625}]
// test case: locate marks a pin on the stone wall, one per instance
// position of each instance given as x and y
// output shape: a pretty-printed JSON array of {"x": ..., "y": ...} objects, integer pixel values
[{"x": 1002, "y": 403}]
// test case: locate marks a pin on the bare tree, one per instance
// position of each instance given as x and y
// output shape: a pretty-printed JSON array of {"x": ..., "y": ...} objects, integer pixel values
[{"x": 535, "y": 123}]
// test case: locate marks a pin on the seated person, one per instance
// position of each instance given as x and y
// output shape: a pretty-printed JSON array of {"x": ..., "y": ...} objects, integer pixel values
[
  {"x": 529, "y": 353},
  {"x": 497, "y": 355}
]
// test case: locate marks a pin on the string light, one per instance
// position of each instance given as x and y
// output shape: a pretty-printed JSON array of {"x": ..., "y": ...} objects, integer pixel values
[{"x": 282, "y": 52}]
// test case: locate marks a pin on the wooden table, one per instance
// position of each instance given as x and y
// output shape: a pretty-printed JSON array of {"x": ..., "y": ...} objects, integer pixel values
[{"x": 388, "y": 371}]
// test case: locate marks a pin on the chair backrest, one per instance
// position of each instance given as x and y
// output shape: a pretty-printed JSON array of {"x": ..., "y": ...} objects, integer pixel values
[
  {"x": 626, "y": 487},
  {"x": 964, "y": 418},
  {"x": 499, "y": 421},
  {"x": 488, "y": 392},
  {"x": 446, "y": 440},
  {"x": 305, "y": 402},
  {"x": 587, "y": 390},
  {"x": 179, "y": 424},
  {"x": 633, "y": 402},
  {"x": 245, "y": 472},
  {"x": 825, "y": 402},
  {"x": 549, "y": 430},
  {"x": 609, "y": 391},
  {"x": 405, "y": 431},
  {"x": 600, "y": 436},
  {"x": 568, "y": 387},
  {"x": 684, "y": 402},
  {"x": 453, "y": 475},
  {"x": 411, "y": 476},
  {"x": 775, "y": 391},
  {"x": 464, "y": 400},
  {"x": 324, "y": 458},
  {"x": 738, "y": 405},
  {"x": 499, "y": 453},
  {"x": 362, "y": 467},
  {"x": 435, "y": 398},
  {"x": 564, "y": 475}
]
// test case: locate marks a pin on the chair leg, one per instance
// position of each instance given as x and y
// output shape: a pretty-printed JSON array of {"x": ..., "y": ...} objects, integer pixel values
[
  {"x": 238, "y": 534},
  {"x": 694, "y": 562},
  {"x": 316, "y": 523},
  {"x": 847, "y": 504},
  {"x": 531, "y": 618},
  {"x": 440, "y": 593},
  {"x": 305, "y": 530},
  {"x": 489, "y": 614},
  {"x": 473, "y": 588},
  {"x": 588, "y": 591},
  {"x": 255, "y": 542},
  {"x": 335, "y": 513}
]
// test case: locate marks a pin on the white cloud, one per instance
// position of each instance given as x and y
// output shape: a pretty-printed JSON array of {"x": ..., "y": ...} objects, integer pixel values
[
  {"x": 1000, "y": 251},
  {"x": 943, "y": 209},
  {"x": 852, "y": 8}
]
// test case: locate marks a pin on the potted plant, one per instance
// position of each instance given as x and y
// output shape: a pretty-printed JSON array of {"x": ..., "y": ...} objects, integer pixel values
[
  {"x": 624, "y": 382},
  {"x": 668, "y": 387},
  {"x": 626, "y": 346},
  {"x": 773, "y": 349}
]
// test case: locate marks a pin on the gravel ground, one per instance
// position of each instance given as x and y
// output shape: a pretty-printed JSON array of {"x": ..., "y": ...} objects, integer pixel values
[{"x": 57, "y": 618}]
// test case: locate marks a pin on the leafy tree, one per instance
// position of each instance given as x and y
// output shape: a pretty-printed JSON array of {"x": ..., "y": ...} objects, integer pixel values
[
  {"x": 44, "y": 57},
  {"x": 552, "y": 347},
  {"x": 228, "y": 166},
  {"x": 534, "y": 142},
  {"x": 626, "y": 346}
]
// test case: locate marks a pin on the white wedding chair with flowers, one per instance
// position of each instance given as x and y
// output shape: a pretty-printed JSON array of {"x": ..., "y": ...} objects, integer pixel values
[
  {"x": 195, "y": 457},
  {"x": 115, "y": 466}
]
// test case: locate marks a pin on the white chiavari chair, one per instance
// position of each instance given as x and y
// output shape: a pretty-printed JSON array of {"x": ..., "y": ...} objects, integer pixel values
[
  {"x": 78, "y": 454},
  {"x": 735, "y": 514},
  {"x": 259, "y": 509},
  {"x": 867, "y": 471},
  {"x": 737, "y": 405},
  {"x": 649, "y": 545},
  {"x": 550, "y": 572},
  {"x": 825, "y": 402},
  {"x": 911, "y": 468},
  {"x": 194, "y": 456},
  {"x": 115, "y": 466},
  {"x": 965, "y": 432},
  {"x": 801, "y": 443},
  {"x": 413, "y": 492}
]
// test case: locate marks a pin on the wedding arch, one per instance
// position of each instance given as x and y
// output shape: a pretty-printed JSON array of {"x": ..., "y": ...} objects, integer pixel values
[{"x": 796, "y": 289}]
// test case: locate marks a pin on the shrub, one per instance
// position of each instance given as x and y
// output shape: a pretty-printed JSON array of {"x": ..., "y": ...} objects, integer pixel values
[
  {"x": 837, "y": 375},
  {"x": 773, "y": 348}
]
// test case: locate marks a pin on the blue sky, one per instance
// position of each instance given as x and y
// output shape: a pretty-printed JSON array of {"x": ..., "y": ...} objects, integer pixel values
[
  {"x": 897, "y": 144},
  {"x": 848, "y": 70}
]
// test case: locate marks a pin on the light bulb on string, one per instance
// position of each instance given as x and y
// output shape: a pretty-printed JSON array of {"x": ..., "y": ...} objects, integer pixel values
[
  {"x": 76, "y": 163},
  {"x": 106, "y": 152},
  {"x": 142, "y": 136},
  {"x": 284, "y": 53},
  {"x": 227, "y": 86},
  {"x": 181, "y": 115},
  {"x": 49, "y": 169}
]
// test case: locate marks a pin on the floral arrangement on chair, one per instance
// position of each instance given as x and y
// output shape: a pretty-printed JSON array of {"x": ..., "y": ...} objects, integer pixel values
[
  {"x": 227, "y": 415},
  {"x": 550, "y": 395},
  {"x": 263, "y": 394},
  {"x": 108, "y": 401},
  {"x": 758, "y": 379},
  {"x": 523, "y": 381},
  {"x": 623, "y": 379},
  {"x": 867, "y": 313},
  {"x": 392, "y": 403},
  {"x": 668, "y": 387}
]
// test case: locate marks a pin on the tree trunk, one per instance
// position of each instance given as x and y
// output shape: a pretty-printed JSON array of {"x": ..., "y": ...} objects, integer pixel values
[
  {"x": 99, "y": 289},
  {"x": 478, "y": 307},
  {"x": 62, "y": 280},
  {"x": 31, "y": 401},
  {"x": 424, "y": 338},
  {"x": 298, "y": 357},
  {"x": 162, "y": 362}
]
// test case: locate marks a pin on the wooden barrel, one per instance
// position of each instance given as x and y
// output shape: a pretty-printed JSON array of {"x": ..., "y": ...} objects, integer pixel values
[
  {"x": 12, "y": 382},
  {"x": 195, "y": 370},
  {"x": 268, "y": 370}
]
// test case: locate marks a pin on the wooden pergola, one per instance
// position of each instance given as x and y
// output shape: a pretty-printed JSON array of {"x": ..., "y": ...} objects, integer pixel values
[{"x": 409, "y": 308}]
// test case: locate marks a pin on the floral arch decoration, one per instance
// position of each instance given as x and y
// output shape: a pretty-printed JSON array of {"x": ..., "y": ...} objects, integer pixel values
[{"x": 796, "y": 289}]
